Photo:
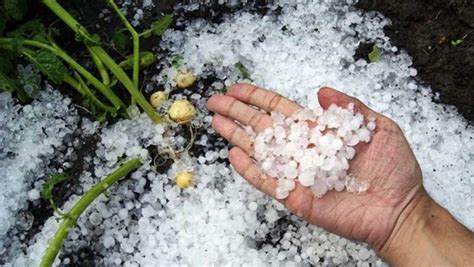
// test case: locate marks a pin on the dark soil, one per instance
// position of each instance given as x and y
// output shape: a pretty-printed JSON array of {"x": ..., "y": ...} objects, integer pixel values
[{"x": 426, "y": 29}]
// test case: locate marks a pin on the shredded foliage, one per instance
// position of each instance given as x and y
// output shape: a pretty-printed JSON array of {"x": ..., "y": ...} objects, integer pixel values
[
  {"x": 375, "y": 54},
  {"x": 120, "y": 40},
  {"x": 146, "y": 59},
  {"x": 35, "y": 42},
  {"x": 158, "y": 27},
  {"x": 243, "y": 70},
  {"x": 8, "y": 84},
  {"x": 88, "y": 39},
  {"x": 15, "y": 9},
  {"x": 50, "y": 65},
  {"x": 51, "y": 182},
  {"x": 177, "y": 61}
]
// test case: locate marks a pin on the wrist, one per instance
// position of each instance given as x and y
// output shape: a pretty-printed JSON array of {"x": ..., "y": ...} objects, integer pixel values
[
  {"x": 408, "y": 232},
  {"x": 427, "y": 235}
]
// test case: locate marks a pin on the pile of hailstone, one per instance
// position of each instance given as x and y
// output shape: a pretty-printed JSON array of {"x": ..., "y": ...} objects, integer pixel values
[{"x": 313, "y": 146}]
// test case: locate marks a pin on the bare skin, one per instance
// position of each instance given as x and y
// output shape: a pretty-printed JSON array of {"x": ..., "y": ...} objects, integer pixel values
[{"x": 383, "y": 217}]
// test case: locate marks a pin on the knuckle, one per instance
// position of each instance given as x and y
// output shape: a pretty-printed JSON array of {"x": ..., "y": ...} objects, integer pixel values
[
  {"x": 214, "y": 121},
  {"x": 256, "y": 118},
  {"x": 230, "y": 106},
  {"x": 253, "y": 90},
  {"x": 274, "y": 101},
  {"x": 231, "y": 135},
  {"x": 252, "y": 178}
]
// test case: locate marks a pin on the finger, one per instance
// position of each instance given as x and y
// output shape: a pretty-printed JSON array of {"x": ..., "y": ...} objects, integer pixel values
[
  {"x": 245, "y": 166},
  {"x": 264, "y": 99},
  {"x": 328, "y": 96},
  {"x": 236, "y": 110},
  {"x": 232, "y": 132},
  {"x": 300, "y": 201}
]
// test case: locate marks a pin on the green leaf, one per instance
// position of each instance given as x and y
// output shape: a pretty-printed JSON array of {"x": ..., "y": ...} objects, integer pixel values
[
  {"x": 49, "y": 65},
  {"x": 146, "y": 59},
  {"x": 22, "y": 95},
  {"x": 53, "y": 31},
  {"x": 177, "y": 61},
  {"x": 120, "y": 39},
  {"x": 158, "y": 27},
  {"x": 100, "y": 117},
  {"x": 8, "y": 84},
  {"x": 375, "y": 54},
  {"x": 16, "y": 44},
  {"x": 98, "y": 114},
  {"x": 243, "y": 70},
  {"x": 16, "y": 9},
  {"x": 82, "y": 35},
  {"x": 28, "y": 30},
  {"x": 47, "y": 191}
]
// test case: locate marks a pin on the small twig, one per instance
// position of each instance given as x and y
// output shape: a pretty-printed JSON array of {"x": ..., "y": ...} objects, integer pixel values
[
  {"x": 83, "y": 108},
  {"x": 437, "y": 15}
]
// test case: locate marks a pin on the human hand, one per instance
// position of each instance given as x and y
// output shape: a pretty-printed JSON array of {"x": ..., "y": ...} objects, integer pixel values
[
  {"x": 395, "y": 215},
  {"x": 386, "y": 163}
]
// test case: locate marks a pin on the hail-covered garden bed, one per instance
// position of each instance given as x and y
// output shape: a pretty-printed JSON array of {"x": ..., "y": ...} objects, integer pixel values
[{"x": 108, "y": 156}]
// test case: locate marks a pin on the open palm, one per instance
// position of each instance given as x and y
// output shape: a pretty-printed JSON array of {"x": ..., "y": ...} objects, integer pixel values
[{"x": 387, "y": 163}]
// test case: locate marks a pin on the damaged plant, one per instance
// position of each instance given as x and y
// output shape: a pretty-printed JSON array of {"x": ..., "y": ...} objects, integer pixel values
[{"x": 35, "y": 42}]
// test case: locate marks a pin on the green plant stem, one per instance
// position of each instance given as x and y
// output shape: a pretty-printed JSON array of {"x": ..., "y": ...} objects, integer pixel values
[
  {"x": 76, "y": 66},
  {"x": 145, "y": 32},
  {"x": 128, "y": 84},
  {"x": 84, "y": 202},
  {"x": 100, "y": 68},
  {"x": 56, "y": 209},
  {"x": 82, "y": 88},
  {"x": 106, "y": 59},
  {"x": 136, "y": 42},
  {"x": 114, "y": 99}
]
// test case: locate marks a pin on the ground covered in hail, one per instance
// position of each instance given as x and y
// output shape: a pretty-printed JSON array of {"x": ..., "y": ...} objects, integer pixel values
[{"x": 146, "y": 220}]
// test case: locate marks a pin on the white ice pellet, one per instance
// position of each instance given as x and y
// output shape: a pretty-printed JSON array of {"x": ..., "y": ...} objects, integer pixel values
[
  {"x": 32, "y": 136},
  {"x": 95, "y": 218},
  {"x": 108, "y": 241},
  {"x": 364, "y": 254},
  {"x": 123, "y": 213},
  {"x": 33, "y": 194},
  {"x": 281, "y": 193},
  {"x": 371, "y": 125},
  {"x": 253, "y": 206},
  {"x": 292, "y": 150},
  {"x": 223, "y": 153},
  {"x": 306, "y": 178},
  {"x": 319, "y": 187}
]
